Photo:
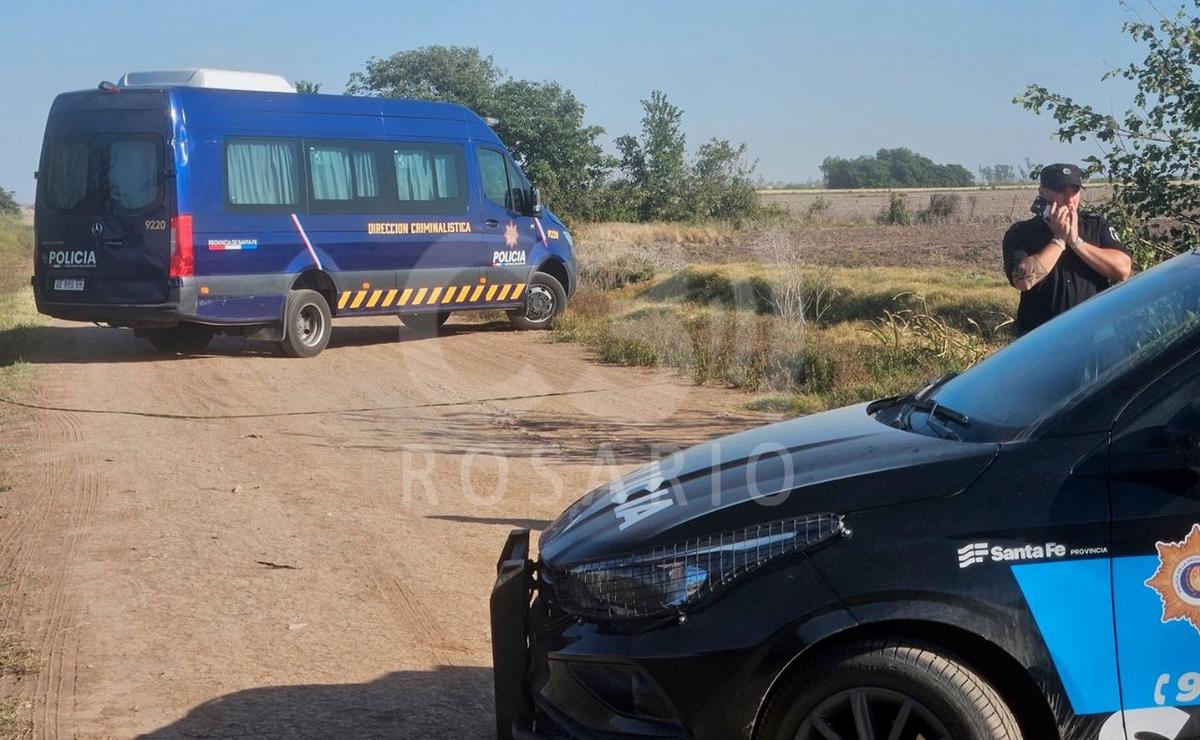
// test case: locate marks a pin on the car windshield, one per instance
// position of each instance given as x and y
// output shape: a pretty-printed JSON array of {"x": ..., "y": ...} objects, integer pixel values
[{"x": 1078, "y": 352}]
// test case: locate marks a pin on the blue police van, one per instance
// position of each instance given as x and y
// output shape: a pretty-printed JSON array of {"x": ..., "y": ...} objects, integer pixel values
[{"x": 179, "y": 208}]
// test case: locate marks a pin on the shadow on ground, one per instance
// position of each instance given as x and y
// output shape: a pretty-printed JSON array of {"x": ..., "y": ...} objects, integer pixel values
[
  {"x": 446, "y": 702},
  {"x": 535, "y": 524},
  {"x": 86, "y": 343},
  {"x": 559, "y": 437}
]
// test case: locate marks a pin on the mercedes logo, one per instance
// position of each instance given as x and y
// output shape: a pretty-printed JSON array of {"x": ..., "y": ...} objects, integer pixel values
[{"x": 97, "y": 229}]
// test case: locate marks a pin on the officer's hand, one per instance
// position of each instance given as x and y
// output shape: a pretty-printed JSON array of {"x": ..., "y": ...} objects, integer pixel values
[
  {"x": 1073, "y": 233},
  {"x": 1059, "y": 221}
]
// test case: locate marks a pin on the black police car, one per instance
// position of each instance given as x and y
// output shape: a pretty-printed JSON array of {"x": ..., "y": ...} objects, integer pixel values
[{"x": 1010, "y": 553}]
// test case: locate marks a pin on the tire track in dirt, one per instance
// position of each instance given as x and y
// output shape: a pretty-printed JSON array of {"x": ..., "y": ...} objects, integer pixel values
[
  {"x": 59, "y": 649},
  {"x": 411, "y": 614},
  {"x": 38, "y": 546},
  {"x": 25, "y": 526}
]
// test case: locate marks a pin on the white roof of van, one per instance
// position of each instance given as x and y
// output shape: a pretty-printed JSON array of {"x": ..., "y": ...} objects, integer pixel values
[{"x": 226, "y": 79}]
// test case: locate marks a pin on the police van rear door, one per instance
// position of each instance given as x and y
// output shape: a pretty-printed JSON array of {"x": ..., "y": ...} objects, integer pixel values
[{"x": 103, "y": 212}]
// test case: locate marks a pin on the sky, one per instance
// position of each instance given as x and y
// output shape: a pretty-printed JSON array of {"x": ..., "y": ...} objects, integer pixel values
[{"x": 796, "y": 81}]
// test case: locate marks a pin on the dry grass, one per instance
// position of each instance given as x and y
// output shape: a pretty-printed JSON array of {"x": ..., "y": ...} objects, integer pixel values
[
  {"x": 975, "y": 205},
  {"x": 663, "y": 233},
  {"x": 18, "y": 315},
  {"x": 811, "y": 337}
]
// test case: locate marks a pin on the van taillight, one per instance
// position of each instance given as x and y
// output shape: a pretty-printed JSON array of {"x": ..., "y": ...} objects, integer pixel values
[{"x": 183, "y": 258}]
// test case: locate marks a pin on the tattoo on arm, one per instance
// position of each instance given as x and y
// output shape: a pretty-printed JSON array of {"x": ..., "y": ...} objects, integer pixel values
[{"x": 1029, "y": 271}]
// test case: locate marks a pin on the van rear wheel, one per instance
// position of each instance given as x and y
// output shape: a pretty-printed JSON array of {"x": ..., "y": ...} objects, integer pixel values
[
  {"x": 545, "y": 299},
  {"x": 888, "y": 688},
  {"x": 306, "y": 324}
]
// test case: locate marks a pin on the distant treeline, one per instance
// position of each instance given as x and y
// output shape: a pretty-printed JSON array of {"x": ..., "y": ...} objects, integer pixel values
[{"x": 893, "y": 168}]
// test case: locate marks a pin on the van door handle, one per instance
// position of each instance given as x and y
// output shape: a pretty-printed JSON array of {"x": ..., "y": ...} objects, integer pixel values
[
  {"x": 492, "y": 223},
  {"x": 114, "y": 242}
]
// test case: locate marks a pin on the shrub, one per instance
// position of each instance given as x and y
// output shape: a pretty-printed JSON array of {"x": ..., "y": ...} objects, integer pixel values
[
  {"x": 815, "y": 210},
  {"x": 8, "y": 203},
  {"x": 896, "y": 212},
  {"x": 942, "y": 208},
  {"x": 915, "y": 338},
  {"x": 616, "y": 273}
]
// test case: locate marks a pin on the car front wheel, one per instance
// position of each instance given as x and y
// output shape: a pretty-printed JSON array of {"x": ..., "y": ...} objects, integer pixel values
[{"x": 888, "y": 689}]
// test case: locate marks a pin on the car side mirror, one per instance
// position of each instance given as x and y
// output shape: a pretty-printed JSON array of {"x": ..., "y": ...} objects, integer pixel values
[
  {"x": 1173, "y": 448},
  {"x": 535, "y": 202}
]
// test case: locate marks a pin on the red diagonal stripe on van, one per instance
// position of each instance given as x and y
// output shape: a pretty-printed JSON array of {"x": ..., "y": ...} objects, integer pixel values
[{"x": 312, "y": 252}]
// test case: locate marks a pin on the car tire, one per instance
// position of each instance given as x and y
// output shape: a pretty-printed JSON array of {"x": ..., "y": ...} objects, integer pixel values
[
  {"x": 187, "y": 338},
  {"x": 545, "y": 299},
  {"x": 306, "y": 324},
  {"x": 877, "y": 682},
  {"x": 425, "y": 323}
]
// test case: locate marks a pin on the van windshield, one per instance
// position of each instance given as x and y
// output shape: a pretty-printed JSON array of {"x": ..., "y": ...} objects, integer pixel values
[
  {"x": 1117, "y": 332},
  {"x": 103, "y": 174}
]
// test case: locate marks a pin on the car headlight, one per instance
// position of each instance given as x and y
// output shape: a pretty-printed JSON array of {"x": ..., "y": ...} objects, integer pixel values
[{"x": 663, "y": 580}]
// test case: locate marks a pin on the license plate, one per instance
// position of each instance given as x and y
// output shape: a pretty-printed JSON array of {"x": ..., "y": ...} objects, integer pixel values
[{"x": 67, "y": 284}]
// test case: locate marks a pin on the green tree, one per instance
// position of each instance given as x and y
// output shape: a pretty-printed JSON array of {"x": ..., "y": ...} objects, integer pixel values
[
  {"x": 1151, "y": 153},
  {"x": 8, "y": 203},
  {"x": 721, "y": 184},
  {"x": 543, "y": 125},
  {"x": 654, "y": 163},
  {"x": 999, "y": 174},
  {"x": 304, "y": 87},
  {"x": 453, "y": 74}
]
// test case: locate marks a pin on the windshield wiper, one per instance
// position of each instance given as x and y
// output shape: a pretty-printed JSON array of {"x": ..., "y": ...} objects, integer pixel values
[{"x": 933, "y": 408}]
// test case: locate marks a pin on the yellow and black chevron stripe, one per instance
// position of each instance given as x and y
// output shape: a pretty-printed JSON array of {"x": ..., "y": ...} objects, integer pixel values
[{"x": 435, "y": 295}]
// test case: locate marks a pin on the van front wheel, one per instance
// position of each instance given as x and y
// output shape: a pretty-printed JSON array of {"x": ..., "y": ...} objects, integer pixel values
[
  {"x": 306, "y": 324},
  {"x": 888, "y": 688},
  {"x": 545, "y": 299}
]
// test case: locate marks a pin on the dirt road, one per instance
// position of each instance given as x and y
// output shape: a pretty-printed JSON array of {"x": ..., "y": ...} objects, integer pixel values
[{"x": 246, "y": 545}]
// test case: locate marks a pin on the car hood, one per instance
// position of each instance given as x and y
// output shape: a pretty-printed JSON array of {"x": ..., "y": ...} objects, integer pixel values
[{"x": 836, "y": 462}]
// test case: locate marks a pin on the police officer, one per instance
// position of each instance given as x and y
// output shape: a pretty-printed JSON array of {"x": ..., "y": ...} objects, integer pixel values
[{"x": 1061, "y": 257}]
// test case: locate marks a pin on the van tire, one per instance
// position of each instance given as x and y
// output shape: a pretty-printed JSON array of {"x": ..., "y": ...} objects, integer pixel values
[
  {"x": 190, "y": 338},
  {"x": 186, "y": 339},
  {"x": 425, "y": 323},
  {"x": 306, "y": 324},
  {"x": 545, "y": 299},
  {"x": 935, "y": 687},
  {"x": 160, "y": 340}
]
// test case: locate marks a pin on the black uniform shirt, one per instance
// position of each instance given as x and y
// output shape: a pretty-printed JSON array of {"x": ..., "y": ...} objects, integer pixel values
[{"x": 1071, "y": 281}]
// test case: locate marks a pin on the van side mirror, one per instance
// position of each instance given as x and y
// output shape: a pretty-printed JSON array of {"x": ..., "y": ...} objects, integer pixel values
[{"x": 535, "y": 202}]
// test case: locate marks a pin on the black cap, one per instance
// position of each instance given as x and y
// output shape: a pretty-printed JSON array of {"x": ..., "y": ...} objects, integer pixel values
[{"x": 1059, "y": 176}]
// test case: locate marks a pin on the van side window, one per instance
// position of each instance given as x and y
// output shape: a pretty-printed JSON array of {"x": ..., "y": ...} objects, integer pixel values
[
  {"x": 495, "y": 178},
  {"x": 262, "y": 172},
  {"x": 429, "y": 178},
  {"x": 343, "y": 173}
]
